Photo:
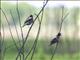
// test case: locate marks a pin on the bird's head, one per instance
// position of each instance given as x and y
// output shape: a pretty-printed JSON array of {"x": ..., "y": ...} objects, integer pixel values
[
  {"x": 59, "y": 34},
  {"x": 31, "y": 15}
]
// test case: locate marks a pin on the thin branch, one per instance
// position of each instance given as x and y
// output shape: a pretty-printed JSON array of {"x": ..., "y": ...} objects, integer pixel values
[
  {"x": 1, "y": 47},
  {"x": 10, "y": 46},
  {"x": 35, "y": 43},
  {"x": 34, "y": 21},
  {"x": 16, "y": 30},
  {"x": 32, "y": 26},
  {"x": 3, "y": 34},
  {"x": 54, "y": 52},
  {"x": 3, "y": 41},
  {"x": 15, "y": 27},
  {"x": 19, "y": 20},
  {"x": 37, "y": 34},
  {"x": 62, "y": 19},
  {"x": 34, "y": 49},
  {"x": 18, "y": 57},
  {"x": 21, "y": 29},
  {"x": 38, "y": 19},
  {"x": 10, "y": 29}
]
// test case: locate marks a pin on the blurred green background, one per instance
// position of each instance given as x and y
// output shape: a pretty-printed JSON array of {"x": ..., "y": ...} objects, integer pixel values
[{"x": 69, "y": 47}]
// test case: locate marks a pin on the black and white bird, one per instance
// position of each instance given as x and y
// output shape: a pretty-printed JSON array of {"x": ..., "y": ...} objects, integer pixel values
[
  {"x": 28, "y": 21},
  {"x": 56, "y": 39}
]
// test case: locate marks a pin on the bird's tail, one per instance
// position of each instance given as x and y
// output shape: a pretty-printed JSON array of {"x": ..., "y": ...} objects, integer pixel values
[{"x": 23, "y": 25}]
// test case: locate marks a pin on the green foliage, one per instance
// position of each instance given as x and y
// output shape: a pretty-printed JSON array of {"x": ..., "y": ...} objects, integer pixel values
[
  {"x": 69, "y": 50},
  {"x": 43, "y": 52}
]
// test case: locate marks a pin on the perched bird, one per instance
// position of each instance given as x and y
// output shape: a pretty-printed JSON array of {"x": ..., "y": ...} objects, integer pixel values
[
  {"x": 28, "y": 21},
  {"x": 58, "y": 35},
  {"x": 56, "y": 39}
]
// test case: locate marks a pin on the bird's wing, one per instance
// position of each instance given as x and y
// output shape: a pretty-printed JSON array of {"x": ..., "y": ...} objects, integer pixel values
[{"x": 29, "y": 19}]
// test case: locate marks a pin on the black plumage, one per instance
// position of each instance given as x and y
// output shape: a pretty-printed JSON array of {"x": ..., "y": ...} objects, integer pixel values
[
  {"x": 29, "y": 20},
  {"x": 56, "y": 39},
  {"x": 59, "y": 34}
]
